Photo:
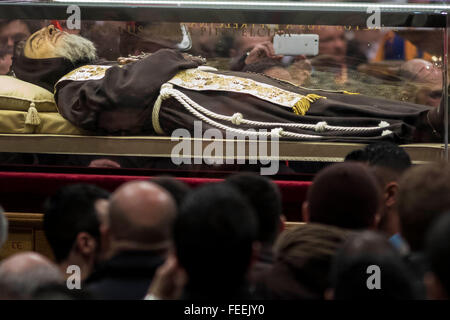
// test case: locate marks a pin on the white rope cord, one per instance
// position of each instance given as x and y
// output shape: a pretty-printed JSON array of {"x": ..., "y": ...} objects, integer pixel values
[
  {"x": 275, "y": 131},
  {"x": 168, "y": 91},
  {"x": 238, "y": 118},
  {"x": 155, "y": 113}
]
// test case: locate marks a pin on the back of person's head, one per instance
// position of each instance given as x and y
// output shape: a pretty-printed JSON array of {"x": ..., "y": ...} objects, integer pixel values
[
  {"x": 264, "y": 196},
  {"x": 384, "y": 154},
  {"x": 141, "y": 215},
  {"x": 69, "y": 212},
  {"x": 3, "y": 227},
  {"x": 437, "y": 247},
  {"x": 368, "y": 267},
  {"x": 345, "y": 195},
  {"x": 178, "y": 189},
  {"x": 389, "y": 159},
  {"x": 213, "y": 236},
  {"x": 23, "y": 273},
  {"x": 303, "y": 260},
  {"x": 424, "y": 195}
]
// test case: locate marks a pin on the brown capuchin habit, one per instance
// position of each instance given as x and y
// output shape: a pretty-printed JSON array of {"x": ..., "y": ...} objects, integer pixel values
[{"x": 137, "y": 85}]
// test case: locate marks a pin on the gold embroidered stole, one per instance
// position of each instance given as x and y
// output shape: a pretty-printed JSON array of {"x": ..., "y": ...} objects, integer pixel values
[
  {"x": 198, "y": 80},
  {"x": 84, "y": 73}
]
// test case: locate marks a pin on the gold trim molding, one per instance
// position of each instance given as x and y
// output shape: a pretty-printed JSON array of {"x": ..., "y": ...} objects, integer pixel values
[{"x": 145, "y": 146}]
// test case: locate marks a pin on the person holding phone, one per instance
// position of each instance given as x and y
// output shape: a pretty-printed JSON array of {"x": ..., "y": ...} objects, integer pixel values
[{"x": 168, "y": 90}]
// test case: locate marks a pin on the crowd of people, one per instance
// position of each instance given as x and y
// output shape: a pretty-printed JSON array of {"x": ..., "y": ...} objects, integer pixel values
[
  {"x": 375, "y": 227},
  {"x": 346, "y": 56}
]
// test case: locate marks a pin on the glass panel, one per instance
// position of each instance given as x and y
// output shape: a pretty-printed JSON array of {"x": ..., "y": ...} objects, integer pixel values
[
  {"x": 367, "y": 62},
  {"x": 446, "y": 87}
]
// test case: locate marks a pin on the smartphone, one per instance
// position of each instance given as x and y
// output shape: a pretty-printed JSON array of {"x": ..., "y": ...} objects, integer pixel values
[{"x": 296, "y": 44}]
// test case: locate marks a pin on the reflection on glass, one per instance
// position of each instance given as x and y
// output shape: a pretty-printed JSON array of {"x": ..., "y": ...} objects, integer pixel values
[{"x": 400, "y": 64}]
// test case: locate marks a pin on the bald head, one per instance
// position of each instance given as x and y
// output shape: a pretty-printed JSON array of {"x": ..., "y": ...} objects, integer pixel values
[
  {"x": 24, "y": 262},
  {"x": 423, "y": 82},
  {"x": 421, "y": 71},
  {"x": 141, "y": 212},
  {"x": 22, "y": 273}
]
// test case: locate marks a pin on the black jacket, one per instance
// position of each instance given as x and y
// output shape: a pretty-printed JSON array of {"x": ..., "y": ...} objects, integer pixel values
[{"x": 126, "y": 276}]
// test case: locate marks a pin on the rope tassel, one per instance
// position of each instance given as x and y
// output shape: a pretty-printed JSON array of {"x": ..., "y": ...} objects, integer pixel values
[
  {"x": 302, "y": 106},
  {"x": 32, "y": 117}
]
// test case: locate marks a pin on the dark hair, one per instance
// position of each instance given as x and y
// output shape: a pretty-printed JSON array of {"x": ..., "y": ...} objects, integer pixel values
[
  {"x": 424, "y": 195},
  {"x": 350, "y": 270},
  {"x": 385, "y": 155},
  {"x": 178, "y": 189},
  {"x": 265, "y": 198},
  {"x": 344, "y": 195},
  {"x": 68, "y": 212},
  {"x": 438, "y": 249},
  {"x": 303, "y": 260},
  {"x": 213, "y": 236},
  {"x": 387, "y": 161}
]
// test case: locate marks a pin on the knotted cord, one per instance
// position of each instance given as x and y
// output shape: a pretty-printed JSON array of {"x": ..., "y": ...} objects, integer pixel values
[{"x": 207, "y": 116}]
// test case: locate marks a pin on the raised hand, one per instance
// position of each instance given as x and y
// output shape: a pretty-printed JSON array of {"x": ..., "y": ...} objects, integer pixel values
[{"x": 261, "y": 51}]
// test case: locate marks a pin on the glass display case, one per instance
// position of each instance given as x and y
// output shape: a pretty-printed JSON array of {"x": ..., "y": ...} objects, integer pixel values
[{"x": 282, "y": 88}]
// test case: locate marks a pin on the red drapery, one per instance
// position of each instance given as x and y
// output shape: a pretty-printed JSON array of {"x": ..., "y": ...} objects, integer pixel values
[{"x": 26, "y": 192}]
